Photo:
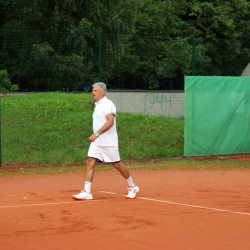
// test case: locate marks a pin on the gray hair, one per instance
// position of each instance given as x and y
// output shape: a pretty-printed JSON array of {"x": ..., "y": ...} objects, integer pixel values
[{"x": 101, "y": 85}]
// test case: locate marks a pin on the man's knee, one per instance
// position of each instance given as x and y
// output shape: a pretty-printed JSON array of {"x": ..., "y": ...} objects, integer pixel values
[
  {"x": 117, "y": 165},
  {"x": 122, "y": 169},
  {"x": 90, "y": 163},
  {"x": 120, "y": 166}
]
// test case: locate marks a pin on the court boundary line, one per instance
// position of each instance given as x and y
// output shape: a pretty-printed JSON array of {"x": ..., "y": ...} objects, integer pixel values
[
  {"x": 45, "y": 204},
  {"x": 182, "y": 204},
  {"x": 138, "y": 197}
]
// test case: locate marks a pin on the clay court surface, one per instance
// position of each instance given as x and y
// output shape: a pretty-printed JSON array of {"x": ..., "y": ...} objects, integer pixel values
[{"x": 175, "y": 209}]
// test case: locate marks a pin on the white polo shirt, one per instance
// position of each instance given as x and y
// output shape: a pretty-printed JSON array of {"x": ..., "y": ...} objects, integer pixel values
[{"x": 103, "y": 108}]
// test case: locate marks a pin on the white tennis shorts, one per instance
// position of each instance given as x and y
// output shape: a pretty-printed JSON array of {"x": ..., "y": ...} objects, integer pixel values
[{"x": 107, "y": 154}]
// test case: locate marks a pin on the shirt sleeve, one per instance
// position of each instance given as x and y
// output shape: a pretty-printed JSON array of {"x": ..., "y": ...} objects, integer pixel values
[{"x": 110, "y": 108}]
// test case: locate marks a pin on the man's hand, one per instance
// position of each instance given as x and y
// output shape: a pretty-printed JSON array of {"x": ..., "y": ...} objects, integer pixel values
[
  {"x": 92, "y": 138},
  {"x": 104, "y": 128}
]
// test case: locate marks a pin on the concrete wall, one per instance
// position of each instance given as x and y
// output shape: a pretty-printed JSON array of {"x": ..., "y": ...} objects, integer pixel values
[{"x": 168, "y": 104}]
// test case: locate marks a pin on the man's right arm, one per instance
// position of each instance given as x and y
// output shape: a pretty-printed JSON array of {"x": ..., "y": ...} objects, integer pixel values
[{"x": 110, "y": 122}]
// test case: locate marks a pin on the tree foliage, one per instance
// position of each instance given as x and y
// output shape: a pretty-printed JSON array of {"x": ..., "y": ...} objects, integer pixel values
[
  {"x": 145, "y": 44},
  {"x": 5, "y": 83}
]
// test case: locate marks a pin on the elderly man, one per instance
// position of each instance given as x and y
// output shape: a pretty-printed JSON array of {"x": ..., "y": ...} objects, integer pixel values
[{"x": 104, "y": 143}]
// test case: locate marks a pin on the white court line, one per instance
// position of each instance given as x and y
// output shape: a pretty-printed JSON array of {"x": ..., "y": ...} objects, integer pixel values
[
  {"x": 45, "y": 204},
  {"x": 12, "y": 195},
  {"x": 182, "y": 204}
]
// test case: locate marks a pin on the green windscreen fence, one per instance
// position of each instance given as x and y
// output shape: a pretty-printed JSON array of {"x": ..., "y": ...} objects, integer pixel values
[{"x": 217, "y": 115}]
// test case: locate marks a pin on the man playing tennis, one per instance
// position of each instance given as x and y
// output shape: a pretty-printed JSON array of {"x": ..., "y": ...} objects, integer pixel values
[{"x": 104, "y": 143}]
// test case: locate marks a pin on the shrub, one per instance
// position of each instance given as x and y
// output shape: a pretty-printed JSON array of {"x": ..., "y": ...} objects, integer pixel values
[{"x": 5, "y": 83}]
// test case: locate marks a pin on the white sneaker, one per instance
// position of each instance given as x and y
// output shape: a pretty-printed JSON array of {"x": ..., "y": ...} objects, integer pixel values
[
  {"x": 83, "y": 196},
  {"x": 132, "y": 192}
]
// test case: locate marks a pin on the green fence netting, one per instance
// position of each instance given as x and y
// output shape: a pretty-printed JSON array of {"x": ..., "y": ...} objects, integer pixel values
[
  {"x": 217, "y": 115},
  {"x": 46, "y": 77},
  {"x": 42, "y": 61}
]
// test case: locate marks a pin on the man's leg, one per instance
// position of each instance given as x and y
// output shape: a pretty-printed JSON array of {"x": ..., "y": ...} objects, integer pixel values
[
  {"x": 89, "y": 175},
  {"x": 122, "y": 169},
  {"x": 132, "y": 188},
  {"x": 89, "y": 171}
]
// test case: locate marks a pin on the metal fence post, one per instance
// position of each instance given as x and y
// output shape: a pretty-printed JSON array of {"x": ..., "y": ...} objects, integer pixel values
[
  {"x": 100, "y": 55},
  {"x": 0, "y": 135},
  {"x": 193, "y": 55}
]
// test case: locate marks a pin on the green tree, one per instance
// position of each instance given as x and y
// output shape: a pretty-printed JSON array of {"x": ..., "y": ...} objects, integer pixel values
[
  {"x": 222, "y": 28},
  {"x": 68, "y": 58},
  {"x": 145, "y": 43},
  {"x": 157, "y": 58},
  {"x": 5, "y": 83},
  {"x": 218, "y": 19}
]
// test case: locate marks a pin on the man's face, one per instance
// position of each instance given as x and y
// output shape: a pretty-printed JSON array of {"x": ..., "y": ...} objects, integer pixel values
[{"x": 97, "y": 93}]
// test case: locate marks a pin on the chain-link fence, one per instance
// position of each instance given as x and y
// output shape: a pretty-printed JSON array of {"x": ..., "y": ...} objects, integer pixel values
[
  {"x": 145, "y": 74},
  {"x": 53, "y": 61}
]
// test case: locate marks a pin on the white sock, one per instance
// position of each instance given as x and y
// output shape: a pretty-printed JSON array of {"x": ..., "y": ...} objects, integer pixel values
[
  {"x": 130, "y": 181},
  {"x": 87, "y": 187}
]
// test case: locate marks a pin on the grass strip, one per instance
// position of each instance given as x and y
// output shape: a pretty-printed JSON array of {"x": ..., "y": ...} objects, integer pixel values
[
  {"x": 181, "y": 165},
  {"x": 53, "y": 128}
]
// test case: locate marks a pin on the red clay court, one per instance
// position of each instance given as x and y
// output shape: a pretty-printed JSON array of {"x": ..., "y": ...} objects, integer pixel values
[{"x": 175, "y": 209}]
